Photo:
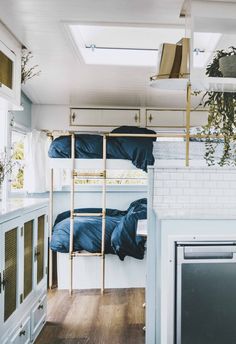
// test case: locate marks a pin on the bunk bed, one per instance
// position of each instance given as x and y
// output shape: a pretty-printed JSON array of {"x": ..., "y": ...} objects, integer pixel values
[{"x": 123, "y": 148}]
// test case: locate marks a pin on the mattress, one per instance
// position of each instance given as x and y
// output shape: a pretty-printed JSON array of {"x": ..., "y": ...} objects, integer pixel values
[{"x": 120, "y": 236}]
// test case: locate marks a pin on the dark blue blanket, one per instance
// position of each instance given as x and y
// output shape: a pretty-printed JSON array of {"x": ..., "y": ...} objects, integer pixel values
[
  {"x": 138, "y": 150},
  {"x": 120, "y": 239}
]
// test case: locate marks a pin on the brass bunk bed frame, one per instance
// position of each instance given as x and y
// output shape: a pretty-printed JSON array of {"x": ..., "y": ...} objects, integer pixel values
[{"x": 102, "y": 174}]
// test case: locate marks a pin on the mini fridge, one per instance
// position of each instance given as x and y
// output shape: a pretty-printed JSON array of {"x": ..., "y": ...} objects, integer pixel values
[{"x": 205, "y": 293}]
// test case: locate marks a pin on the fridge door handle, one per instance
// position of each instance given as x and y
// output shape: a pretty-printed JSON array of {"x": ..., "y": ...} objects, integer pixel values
[{"x": 209, "y": 252}]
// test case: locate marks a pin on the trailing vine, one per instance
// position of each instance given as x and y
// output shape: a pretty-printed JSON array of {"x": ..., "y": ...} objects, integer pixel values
[{"x": 222, "y": 116}]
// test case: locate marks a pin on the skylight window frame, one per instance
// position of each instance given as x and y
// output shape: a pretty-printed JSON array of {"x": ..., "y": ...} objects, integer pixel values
[{"x": 80, "y": 44}]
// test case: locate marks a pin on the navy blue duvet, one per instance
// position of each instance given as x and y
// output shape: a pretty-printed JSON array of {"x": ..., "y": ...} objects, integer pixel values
[
  {"x": 138, "y": 150},
  {"x": 121, "y": 226}
]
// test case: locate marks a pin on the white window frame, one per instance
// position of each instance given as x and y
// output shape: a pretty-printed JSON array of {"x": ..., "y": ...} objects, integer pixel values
[
  {"x": 22, "y": 130},
  {"x": 5, "y": 142}
]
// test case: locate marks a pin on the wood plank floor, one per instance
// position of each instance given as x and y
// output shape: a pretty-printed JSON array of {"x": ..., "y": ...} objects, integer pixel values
[{"x": 87, "y": 317}]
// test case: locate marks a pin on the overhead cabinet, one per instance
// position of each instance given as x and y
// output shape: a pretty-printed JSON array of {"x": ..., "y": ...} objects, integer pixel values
[
  {"x": 162, "y": 118},
  {"x": 10, "y": 71},
  {"x": 91, "y": 117}
]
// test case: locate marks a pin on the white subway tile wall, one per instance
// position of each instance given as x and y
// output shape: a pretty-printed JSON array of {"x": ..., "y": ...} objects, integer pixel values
[{"x": 191, "y": 189}]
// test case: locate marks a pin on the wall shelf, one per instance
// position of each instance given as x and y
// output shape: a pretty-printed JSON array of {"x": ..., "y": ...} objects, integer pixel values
[
  {"x": 215, "y": 84},
  {"x": 204, "y": 84},
  {"x": 170, "y": 84}
]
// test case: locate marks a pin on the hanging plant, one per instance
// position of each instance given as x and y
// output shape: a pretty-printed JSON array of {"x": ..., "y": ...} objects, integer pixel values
[
  {"x": 27, "y": 72},
  {"x": 222, "y": 115}
]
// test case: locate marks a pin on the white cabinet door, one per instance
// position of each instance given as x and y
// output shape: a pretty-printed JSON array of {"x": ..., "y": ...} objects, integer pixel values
[
  {"x": 164, "y": 118},
  {"x": 10, "y": 253},
  {"x": 10, "y": 62},
  {"x": 7, "y": 62},
  {"x": 198, "y": 118},
  {"x": 85, "y": 117},
  {"x": 38, "y": 316},
  {"x": 29, "y": 229},
  {"x": 40, "y": 246},
  {"x": 174, "y": 118},
  {"x": 22, "y": 334}
]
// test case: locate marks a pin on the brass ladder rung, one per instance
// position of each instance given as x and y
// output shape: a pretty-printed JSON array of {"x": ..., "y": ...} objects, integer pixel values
[
  {"x": 86, "y": 254},
  {"x": 87, "y": 214},
  {"x": 101, "y": 174},
  {"x": 89, "y": 174}
]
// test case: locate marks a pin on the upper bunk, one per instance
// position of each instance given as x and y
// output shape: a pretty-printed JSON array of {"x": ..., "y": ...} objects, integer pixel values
[{"x": 126, "y": 148}]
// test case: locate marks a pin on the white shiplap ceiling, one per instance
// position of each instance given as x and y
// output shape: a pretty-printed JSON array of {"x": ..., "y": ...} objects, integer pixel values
[{"x": 40, "y": 25}]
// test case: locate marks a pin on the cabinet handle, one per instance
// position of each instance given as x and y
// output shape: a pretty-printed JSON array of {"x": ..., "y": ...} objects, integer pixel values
[
  {"x": 150, "y": 118},
  {"x": 3, "y": 281},
  {"x": 36, "y": 253},
  {"x": 22, "y": 333},
  {"x": 73, "y": 116},
  {"x": 40, "y": 307},
  {"x": 136, "y": 118}
]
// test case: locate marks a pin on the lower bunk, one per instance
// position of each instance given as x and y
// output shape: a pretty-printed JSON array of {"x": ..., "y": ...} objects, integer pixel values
[
  {"x": 124, "y": 247},
  {"x": 130, "y": 273}
]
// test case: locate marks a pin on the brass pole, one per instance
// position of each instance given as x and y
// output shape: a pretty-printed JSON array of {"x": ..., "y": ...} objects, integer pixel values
[
  {"x": 50, "y": 226},
  {"x": 188, "y": 112},
  {"x": 72, "y": 191},
  {"x": 103, "y": 214}
]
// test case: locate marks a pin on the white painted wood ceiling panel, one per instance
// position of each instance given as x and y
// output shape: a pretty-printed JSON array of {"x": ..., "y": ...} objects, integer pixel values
[{"x": 66, "y": 80}]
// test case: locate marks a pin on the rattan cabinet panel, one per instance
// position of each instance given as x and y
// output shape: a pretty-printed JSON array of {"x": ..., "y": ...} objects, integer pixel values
[
  {"x": 40, "y": 248},
  {"x": 10, "y": 273},
  {"x": 28, "y": 257}
]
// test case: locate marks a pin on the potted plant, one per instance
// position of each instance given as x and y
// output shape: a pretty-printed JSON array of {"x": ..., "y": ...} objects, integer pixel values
[
  {"x": 6, "y": 167},
  {"x": 28, "y": 72},
  {"x": 222, "y": 115}
]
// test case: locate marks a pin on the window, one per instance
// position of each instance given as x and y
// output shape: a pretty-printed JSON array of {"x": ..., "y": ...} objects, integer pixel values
[
  {"x": 114, "y": 177},
  {"x": 122, "y": 45},
  {"x": 117, "y": 177},
  {"x": 18, "y": 142}
]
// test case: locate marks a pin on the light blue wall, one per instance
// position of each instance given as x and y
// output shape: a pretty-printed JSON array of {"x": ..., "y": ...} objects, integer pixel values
[{"x": 23, "y": 117}]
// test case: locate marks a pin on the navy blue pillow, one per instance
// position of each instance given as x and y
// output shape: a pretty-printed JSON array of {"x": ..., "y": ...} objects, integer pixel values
[
  {"x": 138, "y": 149},
  {"x": 134, "y": 130}
]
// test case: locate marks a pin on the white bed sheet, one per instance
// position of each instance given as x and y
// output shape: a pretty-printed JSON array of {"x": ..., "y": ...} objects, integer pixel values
[{"x": 94, "y": 164}]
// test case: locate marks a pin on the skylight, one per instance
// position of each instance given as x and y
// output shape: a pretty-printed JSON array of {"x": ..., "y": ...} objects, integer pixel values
[
  {"x": 122, "y": 45},
  {"x": 204, "y": 46}
]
